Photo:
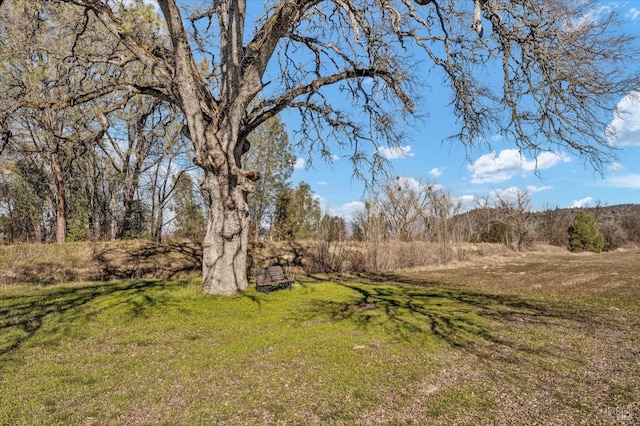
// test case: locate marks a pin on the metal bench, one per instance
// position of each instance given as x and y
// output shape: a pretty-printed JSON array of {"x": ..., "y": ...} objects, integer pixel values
[{"x": 273, "y": 278}]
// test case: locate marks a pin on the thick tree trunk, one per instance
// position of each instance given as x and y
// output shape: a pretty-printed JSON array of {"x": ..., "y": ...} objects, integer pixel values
[
  {"x": 224, "y": 263},
  {"x": 213, "y": 125}
]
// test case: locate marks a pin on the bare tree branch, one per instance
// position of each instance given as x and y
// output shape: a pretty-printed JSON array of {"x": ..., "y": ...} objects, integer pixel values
[
  {"x": 104, "y": 13},
  {"x": 267, "y": 109}
]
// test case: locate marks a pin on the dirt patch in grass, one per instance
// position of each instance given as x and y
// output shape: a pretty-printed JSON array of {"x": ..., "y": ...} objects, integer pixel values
[{"x": 563, "y": 346}]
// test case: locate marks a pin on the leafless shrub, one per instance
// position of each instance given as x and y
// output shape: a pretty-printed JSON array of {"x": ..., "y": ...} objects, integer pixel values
[
  {"x": 514, "y": 209},
  {"x": 326, "y": 257},
  {"x": 630, "y": 224},
  {"x": 357, "y": 260},
  {"x": 614, "y": 236}
]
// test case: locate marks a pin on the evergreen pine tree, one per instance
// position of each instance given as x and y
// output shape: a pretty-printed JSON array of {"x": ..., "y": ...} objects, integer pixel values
[{"x": 584, "y": 235}]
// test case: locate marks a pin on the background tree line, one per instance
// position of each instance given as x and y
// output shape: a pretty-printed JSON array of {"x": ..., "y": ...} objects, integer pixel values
[
  {"x": 119, "y": 166},
  {"x": 135, "y": 179}
]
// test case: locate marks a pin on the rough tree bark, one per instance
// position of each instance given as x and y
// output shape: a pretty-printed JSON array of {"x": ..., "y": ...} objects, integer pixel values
[{"x": 214, "y": 128}]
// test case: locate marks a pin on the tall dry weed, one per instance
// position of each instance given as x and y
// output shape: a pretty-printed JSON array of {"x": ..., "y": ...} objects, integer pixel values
[{"x": 353, "y": 257}]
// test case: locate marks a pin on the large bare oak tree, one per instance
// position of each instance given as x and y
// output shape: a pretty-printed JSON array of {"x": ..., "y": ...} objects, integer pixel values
[{"x": 560, "y": 67}]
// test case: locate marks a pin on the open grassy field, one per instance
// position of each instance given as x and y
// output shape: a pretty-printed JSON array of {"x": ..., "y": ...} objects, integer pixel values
[{"x": 543, "y": 338}]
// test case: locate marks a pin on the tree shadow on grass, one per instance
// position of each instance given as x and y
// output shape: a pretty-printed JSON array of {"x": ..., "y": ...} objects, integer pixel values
[
  {"x": 412, "y": 309},
  {"x": 23, "y": 316},
  {"x": 149, "y": 260}
]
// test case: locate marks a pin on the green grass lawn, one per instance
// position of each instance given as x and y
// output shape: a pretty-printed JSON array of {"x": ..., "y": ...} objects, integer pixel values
[{"x": 509, "y": 344}]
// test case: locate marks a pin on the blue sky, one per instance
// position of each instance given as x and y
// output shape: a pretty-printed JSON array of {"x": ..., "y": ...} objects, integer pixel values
[{"x": 562, "y": 180}]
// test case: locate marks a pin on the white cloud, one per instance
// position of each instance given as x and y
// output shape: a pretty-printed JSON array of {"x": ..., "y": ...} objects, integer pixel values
[
  {"x": 323, "y": 183},
  {"x": 347, "y": 210},
  {"x": 490, "y": 168},
  {"x": 532, "y": 188},
  {"x": 409, "y": 183},
  {"x": 299, "y": 164},
  {"x": 631, "y": 180},
  {"x": 435, "y": 172},
  {"x": 395, "y": 152},
  {"x": 497, "y": 137},
  {"x": 592, "y": 16},
  {"x": 467, "y": 202},
  {"x": 624, "y": 129},
  {"x": 633, "y": 14},
  {"x": 510, "y": 193},
  {"x": 546, "y": 160},
  {"x": 585, "y": 202},
  {"x": 321, "y": 200},
  {"x": 615, "y": 166}
]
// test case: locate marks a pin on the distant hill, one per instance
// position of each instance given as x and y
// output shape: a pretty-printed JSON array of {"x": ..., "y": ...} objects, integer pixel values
[
  {"x": 602, "y": 214},
  {"x": 620, "y": 224}
]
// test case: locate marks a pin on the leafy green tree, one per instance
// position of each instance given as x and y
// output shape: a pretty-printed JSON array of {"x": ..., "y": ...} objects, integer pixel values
[
  {"x": 190, "y": 219},
  {"x": 333, "y": 228},
  {"x": 272, "y": 157},
  {"x": 137, "y": 220},
  {"x": 584, "y": 235},
  {"x": 297, "y": 214},
  {"x": 25, "y": 202},
  {"x": 35, "y": 69},
  {"x": 498, "y": 233},
  {"x": 94, "y": 193}
]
